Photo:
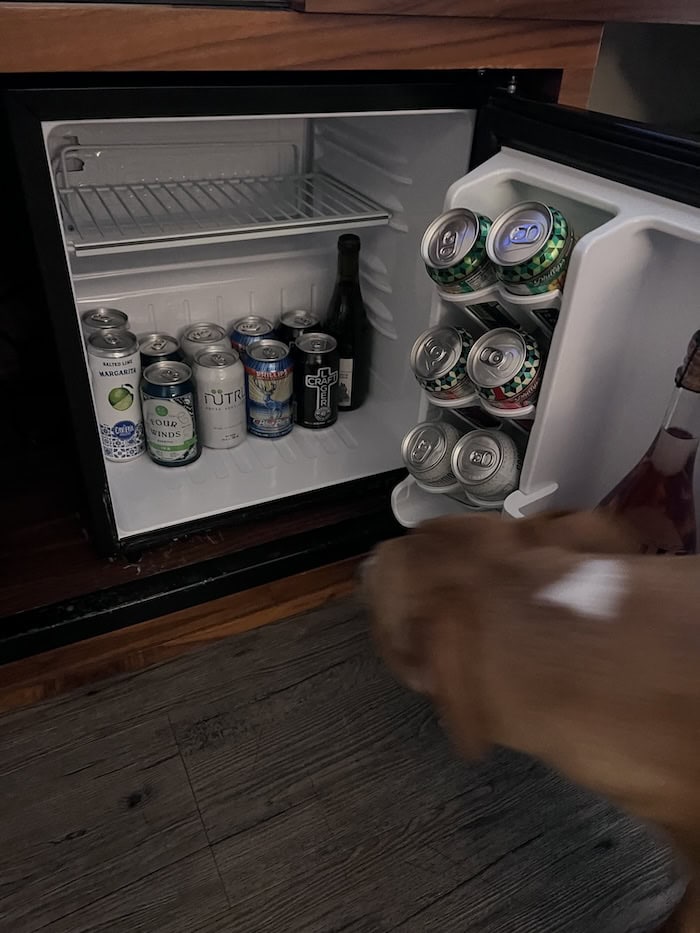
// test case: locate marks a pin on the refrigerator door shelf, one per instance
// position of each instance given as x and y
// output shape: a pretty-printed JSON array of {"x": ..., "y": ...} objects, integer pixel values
[
  {"x": 627, "y": 312},
  {"x": 413, "y": 504}
]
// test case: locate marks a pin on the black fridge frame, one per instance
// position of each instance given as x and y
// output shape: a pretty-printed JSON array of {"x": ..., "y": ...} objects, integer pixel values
[
  {"x": 29, "y": 102},
  {"x": 613, "y": 148}
]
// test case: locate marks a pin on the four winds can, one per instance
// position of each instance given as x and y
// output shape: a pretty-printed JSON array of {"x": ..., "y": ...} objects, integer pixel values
[
  {"x": 167, "y": 393},
  {"x": 115, "y": 368},
  {"x": 268, "y": 369}
]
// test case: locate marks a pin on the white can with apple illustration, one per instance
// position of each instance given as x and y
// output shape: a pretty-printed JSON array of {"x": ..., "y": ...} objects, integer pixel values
[{"x": 115, "y": 367}]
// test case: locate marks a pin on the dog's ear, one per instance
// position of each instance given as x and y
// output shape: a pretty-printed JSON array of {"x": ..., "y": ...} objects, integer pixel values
[{"x": 456, "y": 675}]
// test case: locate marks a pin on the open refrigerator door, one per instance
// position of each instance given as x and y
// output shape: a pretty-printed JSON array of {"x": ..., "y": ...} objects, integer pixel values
[{"x": 624, "y": 317}]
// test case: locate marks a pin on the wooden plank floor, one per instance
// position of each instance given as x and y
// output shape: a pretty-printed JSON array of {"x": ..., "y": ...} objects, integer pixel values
[{"x": 279, "y": 780}]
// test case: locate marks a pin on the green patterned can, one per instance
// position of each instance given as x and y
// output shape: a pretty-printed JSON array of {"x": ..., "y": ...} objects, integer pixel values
[
  {"x": 505, "y": 365},
  {"x": 530, "y": 245},
  {"x": 439, "y": 362},
  {"x": 454, "y": 252}
]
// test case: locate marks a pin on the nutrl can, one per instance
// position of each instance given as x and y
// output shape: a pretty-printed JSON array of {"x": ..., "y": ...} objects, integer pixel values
[
  {"x": 115, "y": 368},
  {"x": 530, "y": 245},
  {"x": 268, "y": 369},
  {"x": 248, "y": 330},
  {"x": 197, "y": 337},
  {"x": 158, "y": 347},
  {"x": 486, "y": 465},
  {"x": 439, "y": 361},
  {"x": 505, "y": 365},
  {"x": 454, "y": 251},
  {"x": 295, "y": 323},
  {"x": 167, "y": 393},
  {"x": 96, "y": 320},
  {"x": 220, "y": 381},
  {"x": 426, "y": 452},
  {"x": 316, "y": 362}
]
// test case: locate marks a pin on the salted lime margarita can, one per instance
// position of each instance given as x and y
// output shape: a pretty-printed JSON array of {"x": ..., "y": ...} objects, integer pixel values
[{"x": 115, "y": 368}]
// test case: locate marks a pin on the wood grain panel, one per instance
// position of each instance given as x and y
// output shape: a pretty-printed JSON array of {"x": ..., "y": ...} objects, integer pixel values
[
  {"x": 88, "y": 37},
  {"x": 73, "y": 820},
  {"x": 138, "y": 646},
  {"x": 281, "y": 780},
  {"x": 628, "y": 11}
]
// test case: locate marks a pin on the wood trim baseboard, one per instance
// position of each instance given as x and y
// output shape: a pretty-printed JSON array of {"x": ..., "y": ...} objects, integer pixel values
[
  {"x": 82, "y": 37},
  {"x": 126, "y": 650}
]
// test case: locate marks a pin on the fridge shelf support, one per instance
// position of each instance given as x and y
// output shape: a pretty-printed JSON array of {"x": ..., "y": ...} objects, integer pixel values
[{"x": 109, "y": 218}]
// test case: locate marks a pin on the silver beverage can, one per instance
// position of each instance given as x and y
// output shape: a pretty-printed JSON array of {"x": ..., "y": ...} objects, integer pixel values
[
  {"x": 219, "y": 379},
  {"x": 427, "y": 451},
  {"x": 505, "y": 365},
  {"x": 97, "y": 320},
  {"x": 530, "y": 245},
  {"x": 115, "y": 368},
  {"x": 197, "y": 337},
  {"x": 246, "y": 330},
  {"x": 454, "y": 251},
  {"x": 157, "y": 347},
  {"x": 269, "y": 388},
  {"x": 486, "y": 465},
  {"x": 439, "y": 361}
]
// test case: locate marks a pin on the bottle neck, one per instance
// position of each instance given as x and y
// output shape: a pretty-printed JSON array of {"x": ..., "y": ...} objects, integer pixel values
[
  {"x": 348, "y": 266},
  {"x": 676, "y": 444},
  {"x": 682, "y": 417}
]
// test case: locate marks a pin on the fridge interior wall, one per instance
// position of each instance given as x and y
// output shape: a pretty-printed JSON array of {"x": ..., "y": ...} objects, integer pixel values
[{"x": 403, "y": 162}]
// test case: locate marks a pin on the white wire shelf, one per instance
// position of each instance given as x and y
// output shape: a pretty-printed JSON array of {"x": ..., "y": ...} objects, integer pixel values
[{"x": 124, "y": 217}]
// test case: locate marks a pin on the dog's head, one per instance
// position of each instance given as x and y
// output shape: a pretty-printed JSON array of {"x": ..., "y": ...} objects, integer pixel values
[{"x": 424, "y": 592}]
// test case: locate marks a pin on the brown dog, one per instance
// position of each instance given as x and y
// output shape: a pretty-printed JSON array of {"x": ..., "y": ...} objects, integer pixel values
[{"x": 549, "y": 635}]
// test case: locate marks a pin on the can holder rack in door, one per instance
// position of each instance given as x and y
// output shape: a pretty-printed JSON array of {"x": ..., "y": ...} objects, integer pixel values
[{"x": 628, "y": 308}]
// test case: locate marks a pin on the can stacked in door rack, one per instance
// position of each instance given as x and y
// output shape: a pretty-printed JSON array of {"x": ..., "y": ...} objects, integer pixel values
[
  {"x": 439, "y": 362},
  {"x": 454, "y": 251},
  {"x": 505, "y": 365},
  {"x": 268, "y": 369},
  {"x": 98, "y": 320},
  {"x": 316, "y": 365},
  {"x": 115, "y": 368},
  {"x": 530, "y": 245},
  {"x": 221, "y": 411},
  {"x": 167, "y": 393},
  {"x": 198, "y": 337},
  {"x": 427, "y": 451},
  {"x": 486, "y": 465},
  {"x": 248, "y": 330}
]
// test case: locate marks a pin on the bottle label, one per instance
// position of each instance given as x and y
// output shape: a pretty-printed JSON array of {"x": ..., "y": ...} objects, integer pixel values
[{"x": 345, "y": 382}]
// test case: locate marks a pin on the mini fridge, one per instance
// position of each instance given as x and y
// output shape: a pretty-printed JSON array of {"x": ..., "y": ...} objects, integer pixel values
[{"x": 181, "y": 203}]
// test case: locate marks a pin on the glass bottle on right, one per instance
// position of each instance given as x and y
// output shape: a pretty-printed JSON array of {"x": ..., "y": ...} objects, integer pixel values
[{"x": 656, "y": 497}]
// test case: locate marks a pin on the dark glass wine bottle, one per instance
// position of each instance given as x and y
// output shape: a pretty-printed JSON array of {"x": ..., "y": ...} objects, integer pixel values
[
  {"x": 656, "y": 497},
  {"x": 347, "y": 322}
]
